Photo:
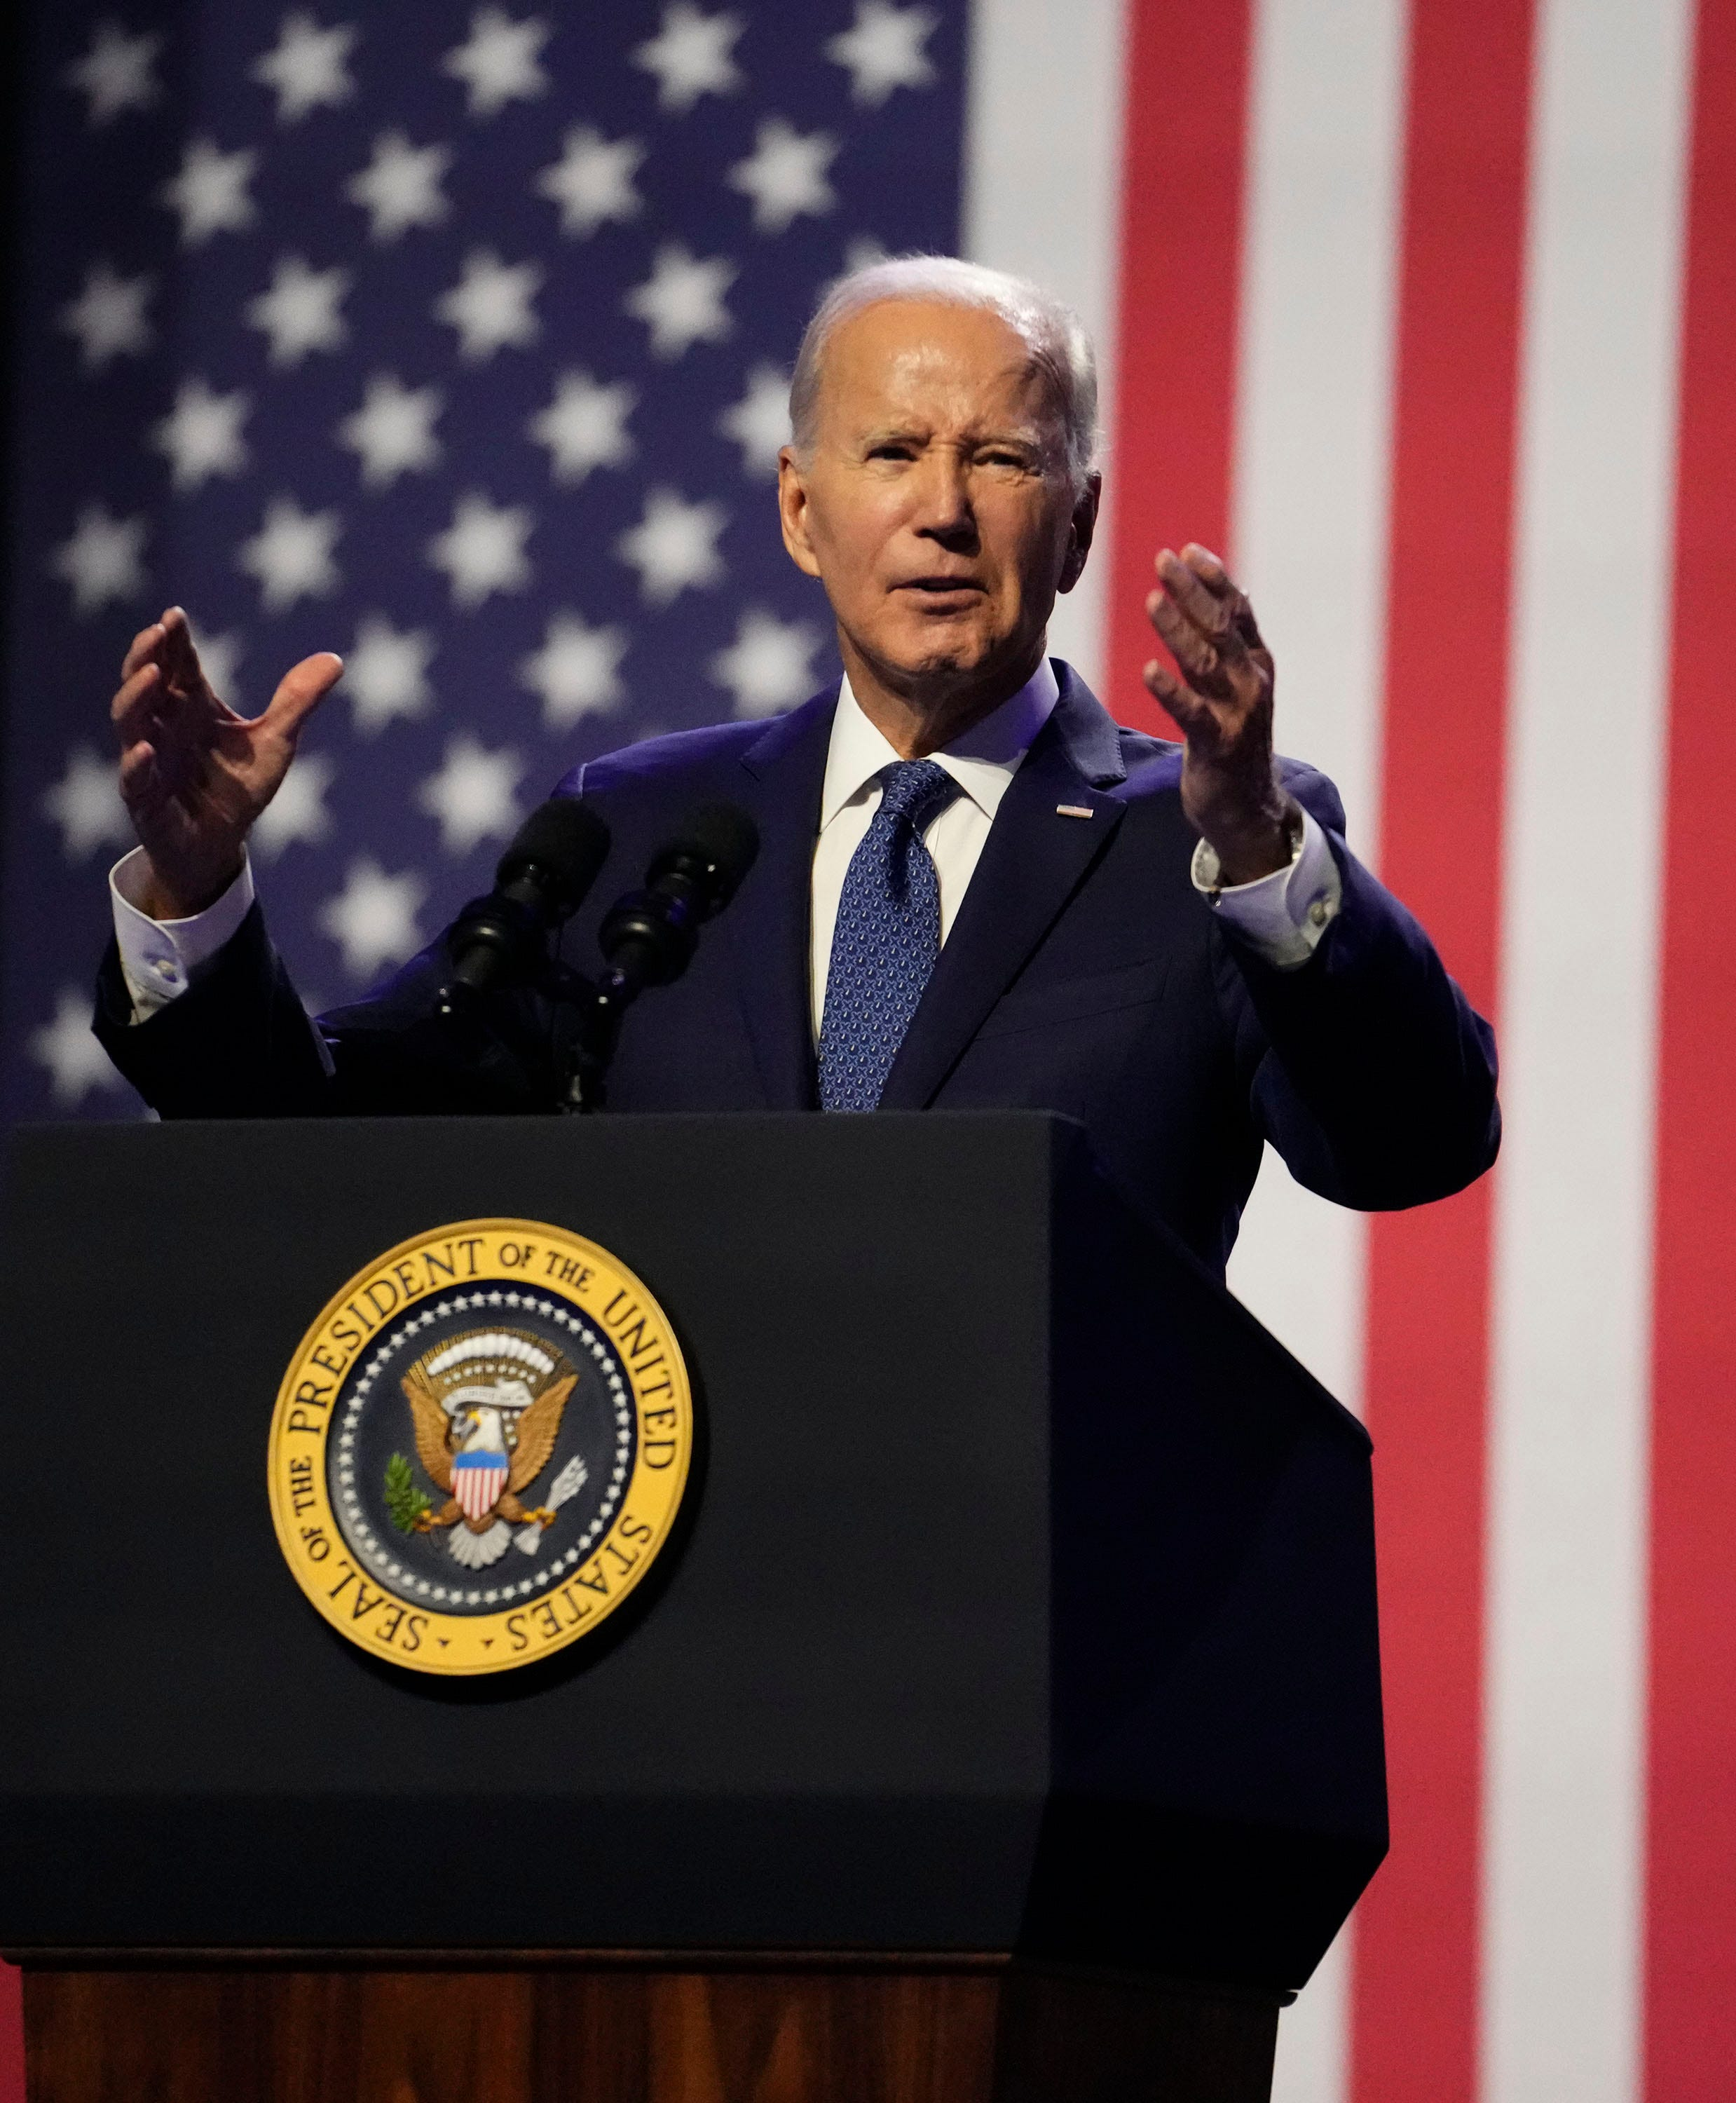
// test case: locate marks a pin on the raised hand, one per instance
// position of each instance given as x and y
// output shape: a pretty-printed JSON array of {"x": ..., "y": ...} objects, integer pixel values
[
  {"x": 1222, "y": 703},
  {"x": 194, "y": 775}
]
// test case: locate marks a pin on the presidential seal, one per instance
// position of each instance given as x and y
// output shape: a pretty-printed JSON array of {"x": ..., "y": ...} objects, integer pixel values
[{"x": 480, "y": 1446}]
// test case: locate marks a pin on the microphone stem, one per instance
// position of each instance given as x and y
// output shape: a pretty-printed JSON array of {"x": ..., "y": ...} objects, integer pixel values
[{"x": 599, "y": 1012}]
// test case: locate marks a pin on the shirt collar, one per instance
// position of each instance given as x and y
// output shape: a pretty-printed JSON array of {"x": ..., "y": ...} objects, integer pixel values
[{"x": 983, "y": 762}]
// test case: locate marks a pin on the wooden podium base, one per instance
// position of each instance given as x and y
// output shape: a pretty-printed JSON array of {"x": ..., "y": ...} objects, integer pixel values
[{"x": 541, "y": 2027}]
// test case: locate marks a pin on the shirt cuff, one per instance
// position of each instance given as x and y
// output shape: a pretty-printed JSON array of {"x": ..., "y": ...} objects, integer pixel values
[
  {"x": 1284, "y": 915},
  {"x": 161, "y": 959}
]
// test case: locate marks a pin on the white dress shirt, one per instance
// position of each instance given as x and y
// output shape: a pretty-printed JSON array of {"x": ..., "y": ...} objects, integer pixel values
[
  {"x": 161, "y": 959},
  {"x": 983, "y": 763},
  {"x": 1283, "y": 915}
]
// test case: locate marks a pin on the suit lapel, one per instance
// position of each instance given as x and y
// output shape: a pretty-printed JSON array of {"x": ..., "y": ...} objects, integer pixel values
[
  {"x": 786, "y": 771},
  {"x": 1032, "y": 863}
]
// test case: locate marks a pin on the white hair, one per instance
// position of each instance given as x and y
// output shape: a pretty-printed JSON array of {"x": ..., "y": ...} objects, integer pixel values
[{"x": 1053, "y": 332}]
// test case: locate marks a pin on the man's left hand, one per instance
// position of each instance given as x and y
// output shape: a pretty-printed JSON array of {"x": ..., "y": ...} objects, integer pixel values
[{"x": 1222, "y": 703}]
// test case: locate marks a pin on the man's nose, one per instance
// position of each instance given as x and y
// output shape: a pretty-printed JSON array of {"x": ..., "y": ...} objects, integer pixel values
[{"x": 943, "y": 507}]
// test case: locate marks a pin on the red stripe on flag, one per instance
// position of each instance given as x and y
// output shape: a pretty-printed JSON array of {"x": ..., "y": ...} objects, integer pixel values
[
  {"x": 1413, "y": 2019},
  {"x": 1181, "y": 226},
  {"x": 1690, "y": 1928}
]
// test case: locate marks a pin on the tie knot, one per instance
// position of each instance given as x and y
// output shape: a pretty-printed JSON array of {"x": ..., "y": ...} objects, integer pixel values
[{"x": 914, "y": 789}]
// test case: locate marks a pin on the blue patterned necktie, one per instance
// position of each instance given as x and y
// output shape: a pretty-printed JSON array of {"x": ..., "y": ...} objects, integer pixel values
[{"x": 887, "y": 938}]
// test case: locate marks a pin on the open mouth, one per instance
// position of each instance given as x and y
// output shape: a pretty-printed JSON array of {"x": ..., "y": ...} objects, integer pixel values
[{"x": 945, "y": 594}]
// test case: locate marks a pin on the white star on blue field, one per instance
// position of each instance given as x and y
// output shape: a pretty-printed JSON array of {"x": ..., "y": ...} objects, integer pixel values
[{"x": 454, "y": 338}]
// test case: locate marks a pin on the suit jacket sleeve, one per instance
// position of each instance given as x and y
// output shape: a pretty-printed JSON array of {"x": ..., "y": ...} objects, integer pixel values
[
  {"x": 1369, "y": 1070},
  {"x": 239, "y": 1043}
]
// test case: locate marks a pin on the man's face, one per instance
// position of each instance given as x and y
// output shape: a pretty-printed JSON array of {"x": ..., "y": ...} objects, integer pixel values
[{"x": 936, "y": 508}]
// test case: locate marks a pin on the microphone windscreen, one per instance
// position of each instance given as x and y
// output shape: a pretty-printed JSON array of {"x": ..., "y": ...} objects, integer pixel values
[
  {"x": 726, "y": 839},
  {"x": 566, "y": 841}
]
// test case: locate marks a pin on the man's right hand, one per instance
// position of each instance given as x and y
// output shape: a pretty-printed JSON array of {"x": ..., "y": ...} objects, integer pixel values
[{"x": 194, "y": 775}]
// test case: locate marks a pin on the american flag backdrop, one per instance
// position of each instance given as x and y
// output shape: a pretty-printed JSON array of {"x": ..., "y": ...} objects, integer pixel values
[{"x": 454, "y": 338}]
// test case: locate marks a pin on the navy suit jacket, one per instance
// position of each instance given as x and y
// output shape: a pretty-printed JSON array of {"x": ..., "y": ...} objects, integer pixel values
[{"x": 1083, "y": 974}]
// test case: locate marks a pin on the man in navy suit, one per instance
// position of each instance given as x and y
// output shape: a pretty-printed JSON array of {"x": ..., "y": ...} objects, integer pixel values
[{"x": 972, "y": 889}]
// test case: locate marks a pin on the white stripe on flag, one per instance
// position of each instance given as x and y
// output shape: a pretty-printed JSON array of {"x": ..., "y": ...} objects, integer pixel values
[
  {"x": 1042, "y": 197},
  {"x": 1564, "y": 1808},
  {"x": 1313, "y": 443},
  {"x": 1313, "y": 425},
  {"x": 1309, "y": 542}
]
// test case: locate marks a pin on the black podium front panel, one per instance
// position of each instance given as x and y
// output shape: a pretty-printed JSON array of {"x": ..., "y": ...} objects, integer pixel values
[{"x": 1027, "y": 1599}]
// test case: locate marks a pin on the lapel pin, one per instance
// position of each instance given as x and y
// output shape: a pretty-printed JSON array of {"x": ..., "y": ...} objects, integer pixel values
[{"x": 1074, "y": 811}]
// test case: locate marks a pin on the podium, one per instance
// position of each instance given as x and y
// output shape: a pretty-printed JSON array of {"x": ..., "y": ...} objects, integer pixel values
[{"x": 1003, "y": 1728}]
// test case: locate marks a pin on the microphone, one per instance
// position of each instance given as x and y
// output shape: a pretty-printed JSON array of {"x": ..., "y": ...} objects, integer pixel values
[
  {"x": 648, "y": 937},
  {"x": 552, "y": 863}
]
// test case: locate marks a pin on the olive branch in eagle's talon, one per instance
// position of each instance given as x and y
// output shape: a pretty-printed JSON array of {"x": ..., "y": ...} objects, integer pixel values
[{"x": 406, "y": 1504}]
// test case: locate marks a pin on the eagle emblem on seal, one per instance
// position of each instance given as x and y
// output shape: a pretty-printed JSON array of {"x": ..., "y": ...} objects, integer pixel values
[{"x": 486, "y": 1407}]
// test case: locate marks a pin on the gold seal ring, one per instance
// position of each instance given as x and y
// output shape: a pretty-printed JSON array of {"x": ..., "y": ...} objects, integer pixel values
[{"x": 480, "y": 1446}]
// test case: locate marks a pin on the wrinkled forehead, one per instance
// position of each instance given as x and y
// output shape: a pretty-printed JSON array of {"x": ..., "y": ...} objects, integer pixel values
[{"x": 934, "y": 361}]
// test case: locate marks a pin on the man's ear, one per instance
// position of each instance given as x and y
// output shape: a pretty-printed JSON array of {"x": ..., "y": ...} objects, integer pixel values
[
  {"x": 792, "y": 511},
  {"x": 1082, "y": 531}
]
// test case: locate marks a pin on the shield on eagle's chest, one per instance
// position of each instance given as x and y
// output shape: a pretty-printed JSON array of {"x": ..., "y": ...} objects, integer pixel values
[{"x": 477, "y": 1480}]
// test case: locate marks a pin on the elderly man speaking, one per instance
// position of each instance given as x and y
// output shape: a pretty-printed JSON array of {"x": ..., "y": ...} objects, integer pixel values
[{"x": 973, "y": 888}]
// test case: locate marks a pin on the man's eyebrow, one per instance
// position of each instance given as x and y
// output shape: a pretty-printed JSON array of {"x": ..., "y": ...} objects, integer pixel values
[
  {"x": 1030, "y": 436},
  {"x": 1035, "y": 445},
  {"x": 1032, "y": 440}
]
